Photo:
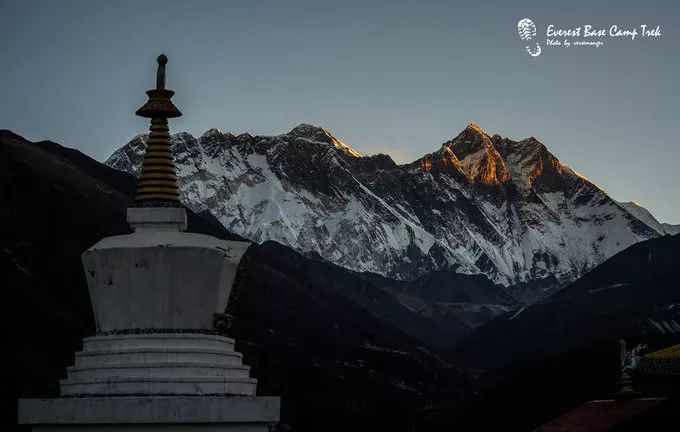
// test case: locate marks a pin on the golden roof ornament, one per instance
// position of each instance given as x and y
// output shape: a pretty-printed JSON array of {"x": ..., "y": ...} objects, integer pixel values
[{"x": 158, "y": 181}]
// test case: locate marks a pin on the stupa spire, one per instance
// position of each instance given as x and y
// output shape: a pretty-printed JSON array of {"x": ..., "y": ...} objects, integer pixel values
[
  {"x": 160, "y": 358},
  {"x": 158, "y": 182}
]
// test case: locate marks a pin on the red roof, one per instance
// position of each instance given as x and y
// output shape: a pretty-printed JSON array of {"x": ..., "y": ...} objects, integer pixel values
[{"x": 600, "y": 415}]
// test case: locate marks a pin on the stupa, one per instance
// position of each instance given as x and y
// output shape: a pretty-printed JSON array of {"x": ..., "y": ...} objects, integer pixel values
[{"x": 159, "y": 359}]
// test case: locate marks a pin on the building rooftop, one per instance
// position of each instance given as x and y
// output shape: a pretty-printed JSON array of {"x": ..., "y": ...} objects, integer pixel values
[
  {"x": 665, "y": 362},
  {"x": 601, "y": 415}
]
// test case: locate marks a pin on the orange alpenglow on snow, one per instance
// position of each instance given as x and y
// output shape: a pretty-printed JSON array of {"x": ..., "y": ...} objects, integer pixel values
[
  {"x": 474, "y": 155},
  {"x": 426, "y": 164}
]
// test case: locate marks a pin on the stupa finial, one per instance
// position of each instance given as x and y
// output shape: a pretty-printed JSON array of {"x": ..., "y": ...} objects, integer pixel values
[
  {"x": 158, "y": 182},
  {"x": 160, "y": 74},
  {"x": 159, "y": 105}
]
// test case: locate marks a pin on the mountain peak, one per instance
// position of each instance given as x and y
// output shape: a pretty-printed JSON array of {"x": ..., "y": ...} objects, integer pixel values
[
  {"x": 321, "y": 135},
  {"x": 312, "y": 133},
  {"x": 479, "y": 159},
  {"x": 183, "y": 136},
  {"x": 472, "y": 138},
  {"x": 212, "y": 132},
  {"x": 475, "y": 128},
  {"x": 306, "y": 128}
]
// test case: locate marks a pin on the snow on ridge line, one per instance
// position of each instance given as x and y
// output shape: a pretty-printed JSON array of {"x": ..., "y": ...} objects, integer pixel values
[{"x": 401, "y": 222}]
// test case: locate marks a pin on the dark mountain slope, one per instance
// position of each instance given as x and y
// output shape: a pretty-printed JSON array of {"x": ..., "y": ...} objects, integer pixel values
[
  {"x": 470, "y": 300},
  {"x": 638, "y": 265},
  {"x": 635, "y": 294},
  {"x": 555, "y": 355}
]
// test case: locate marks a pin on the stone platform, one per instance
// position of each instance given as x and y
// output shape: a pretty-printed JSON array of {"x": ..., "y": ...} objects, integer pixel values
[{"x": 150, "y": 414}]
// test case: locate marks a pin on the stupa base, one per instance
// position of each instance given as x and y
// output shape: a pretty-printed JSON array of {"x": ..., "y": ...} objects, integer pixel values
[
  {"x": 150, "y": 414},
  {"x": 154, "y": 364}
]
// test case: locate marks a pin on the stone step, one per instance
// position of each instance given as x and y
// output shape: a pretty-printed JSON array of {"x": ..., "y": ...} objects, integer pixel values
[
  {"x": 160, "y": 386},
  {"x": 102, "y": 358},
  {"x": 156, "y": 370},
  {"x": 158, "y": 340}
]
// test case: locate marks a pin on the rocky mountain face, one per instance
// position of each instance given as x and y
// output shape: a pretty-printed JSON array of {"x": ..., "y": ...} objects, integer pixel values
[{"x": 480, "y": 204}]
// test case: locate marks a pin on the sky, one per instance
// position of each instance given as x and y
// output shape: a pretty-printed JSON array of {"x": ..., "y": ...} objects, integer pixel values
[{"x": 392, "y": 77}]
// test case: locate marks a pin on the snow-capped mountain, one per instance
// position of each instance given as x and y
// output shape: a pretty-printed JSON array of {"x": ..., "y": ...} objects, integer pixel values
[{"x": 479, "y": 204}]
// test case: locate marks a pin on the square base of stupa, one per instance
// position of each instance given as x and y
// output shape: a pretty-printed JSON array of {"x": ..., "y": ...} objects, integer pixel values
[{"x": 150, "y": 414}]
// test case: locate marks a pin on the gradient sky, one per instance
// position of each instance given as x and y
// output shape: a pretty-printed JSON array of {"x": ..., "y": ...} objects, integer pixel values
[{"x": 383, "y": 76}]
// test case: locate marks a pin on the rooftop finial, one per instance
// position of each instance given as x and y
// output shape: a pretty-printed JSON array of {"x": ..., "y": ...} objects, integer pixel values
[{"x": 160, "y": 74}]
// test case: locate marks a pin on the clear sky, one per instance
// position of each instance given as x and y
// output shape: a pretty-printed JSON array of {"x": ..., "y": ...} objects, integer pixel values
[{"x": 384, "y": 76}]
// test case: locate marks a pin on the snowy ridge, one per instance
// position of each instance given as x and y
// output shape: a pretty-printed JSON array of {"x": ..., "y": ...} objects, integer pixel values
[
  {"x": 507, "y": 209},
  {"x": 645, "y": 216},
  {"x": 671, "y": 229}
]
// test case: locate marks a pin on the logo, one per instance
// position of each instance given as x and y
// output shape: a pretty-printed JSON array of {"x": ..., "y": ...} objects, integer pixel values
[
  {"x": 527, "y": 32},
  {"x": 584, "y": 35}
]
